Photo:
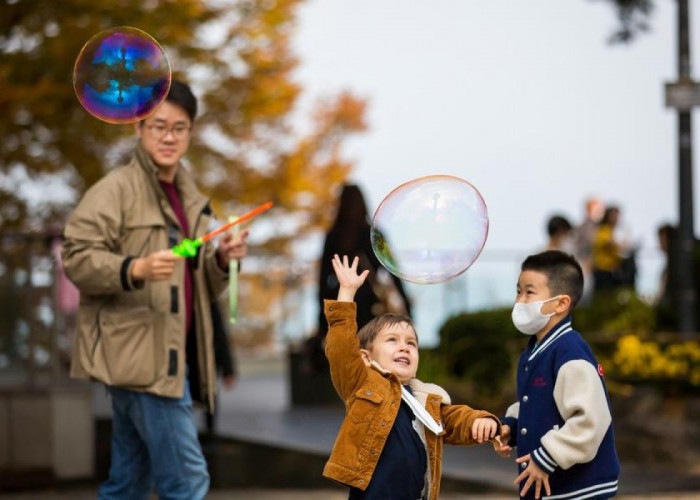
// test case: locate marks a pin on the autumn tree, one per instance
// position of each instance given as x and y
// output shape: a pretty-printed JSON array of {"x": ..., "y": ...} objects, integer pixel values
[{"x": 245, "y": 151}]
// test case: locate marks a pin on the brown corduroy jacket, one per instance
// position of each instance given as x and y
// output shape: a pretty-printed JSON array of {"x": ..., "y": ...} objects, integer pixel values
[{"x": 372, "y": 398}]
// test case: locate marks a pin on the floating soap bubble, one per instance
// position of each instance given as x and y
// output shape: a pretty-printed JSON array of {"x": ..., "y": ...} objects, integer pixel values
[
  {"x": 431, "y": 229},
  {"x": 121, "y": 75}
]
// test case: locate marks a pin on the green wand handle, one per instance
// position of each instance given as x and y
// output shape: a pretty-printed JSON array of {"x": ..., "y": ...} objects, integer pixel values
[
  {"x": 188, "y": 247},
  {"x": 233, "y": 282}
]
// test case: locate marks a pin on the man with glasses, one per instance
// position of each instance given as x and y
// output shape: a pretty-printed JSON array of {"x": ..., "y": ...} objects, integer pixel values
[{"x": 145, "y": 325}]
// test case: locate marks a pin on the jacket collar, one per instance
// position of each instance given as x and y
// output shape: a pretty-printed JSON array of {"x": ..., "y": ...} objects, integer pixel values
[
  {"x": 560, "y": 329},
  {"x": 376, "y": 366},
  {"x": 193, "y": 201},
  {"x": 420, "y": 389}
]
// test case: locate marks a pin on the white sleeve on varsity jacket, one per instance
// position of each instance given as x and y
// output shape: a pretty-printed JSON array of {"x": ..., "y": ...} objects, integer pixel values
[
  {"x": 580, "y": 397},
  {"x": 513, "y": 410}
]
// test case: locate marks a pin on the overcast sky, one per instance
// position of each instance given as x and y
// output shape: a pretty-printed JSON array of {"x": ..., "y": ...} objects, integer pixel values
[{"x": 525, "y": 100}]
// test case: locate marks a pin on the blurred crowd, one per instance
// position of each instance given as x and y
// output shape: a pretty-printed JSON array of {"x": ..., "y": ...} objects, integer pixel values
[
  {"x": 608, "y": 256},
  {"x": 606, "y": 252}
]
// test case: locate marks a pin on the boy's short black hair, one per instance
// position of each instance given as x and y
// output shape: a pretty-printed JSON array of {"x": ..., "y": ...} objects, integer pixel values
[
  {"x": 369, "y": 332},
  {"x": 564, "y": 274},
  {"x": 181, "y": 95},
  {"x": 558, "y": 224}
]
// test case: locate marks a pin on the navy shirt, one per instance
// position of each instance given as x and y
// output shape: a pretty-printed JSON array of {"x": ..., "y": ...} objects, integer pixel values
[{"x": 400, "y": 471}]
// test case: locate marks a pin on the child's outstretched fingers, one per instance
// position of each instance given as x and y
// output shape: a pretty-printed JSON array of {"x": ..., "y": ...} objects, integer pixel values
[
  {"x": 532, "y": 474},
  {"x": 348, "y": 279},
  {"x": 481, "y": 430},
  {"x": 493, "y": 428}
]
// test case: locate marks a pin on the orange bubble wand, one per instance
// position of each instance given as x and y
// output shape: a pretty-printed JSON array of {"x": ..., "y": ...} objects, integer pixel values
[{"x": 188, "y": 247}]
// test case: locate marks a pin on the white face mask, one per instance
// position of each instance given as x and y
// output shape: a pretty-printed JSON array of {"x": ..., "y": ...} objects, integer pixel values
[{"x": 528, "y": 317}]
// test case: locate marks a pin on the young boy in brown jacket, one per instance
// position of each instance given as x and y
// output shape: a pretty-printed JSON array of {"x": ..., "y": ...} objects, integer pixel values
[{"x": 390, "y": 443}]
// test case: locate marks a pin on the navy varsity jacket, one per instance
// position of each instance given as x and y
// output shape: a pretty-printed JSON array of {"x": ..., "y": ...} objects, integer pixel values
[{"x": 562, "y": 417}]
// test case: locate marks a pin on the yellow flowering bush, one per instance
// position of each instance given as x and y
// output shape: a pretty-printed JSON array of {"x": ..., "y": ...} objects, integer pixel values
[{"x": 647, "y": 360}]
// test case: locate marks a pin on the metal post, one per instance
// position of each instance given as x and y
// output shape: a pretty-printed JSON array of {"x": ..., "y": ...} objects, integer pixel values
[{"x": 686, "y": 292}]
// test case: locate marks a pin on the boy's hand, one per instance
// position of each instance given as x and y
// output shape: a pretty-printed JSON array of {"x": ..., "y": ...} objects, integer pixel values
[
  {"x": 484, "y": 429},
  {"x": 348, "y": 278},
  {"x": 500, "y": 443},
  {"x": 533, "y": 474}
]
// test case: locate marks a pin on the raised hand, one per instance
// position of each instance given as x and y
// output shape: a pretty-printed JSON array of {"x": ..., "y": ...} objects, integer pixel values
[{"x": 348, "y": 279}]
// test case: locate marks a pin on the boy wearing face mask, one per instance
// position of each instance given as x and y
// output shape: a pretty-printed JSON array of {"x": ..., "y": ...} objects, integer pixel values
[
  {"x": 390, "y": 444},
  {"x": 561, "y": 423}
]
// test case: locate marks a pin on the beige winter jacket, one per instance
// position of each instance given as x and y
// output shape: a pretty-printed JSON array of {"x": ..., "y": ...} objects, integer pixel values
[{"x": 132, "y": 334}]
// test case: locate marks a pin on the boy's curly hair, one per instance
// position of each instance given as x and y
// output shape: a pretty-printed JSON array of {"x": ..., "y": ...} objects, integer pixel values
[{"x": 369, "y": 332}]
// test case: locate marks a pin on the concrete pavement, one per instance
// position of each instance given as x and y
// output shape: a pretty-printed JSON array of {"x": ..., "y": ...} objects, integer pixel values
[
  {"x": 287, "y": 494},
  {"x": 258, "y": 410}
]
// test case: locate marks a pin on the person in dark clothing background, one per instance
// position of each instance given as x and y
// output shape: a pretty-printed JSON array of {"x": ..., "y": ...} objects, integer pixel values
[
  {"x": 382, "y": 291},
  {"x": 224, "y": 359}
]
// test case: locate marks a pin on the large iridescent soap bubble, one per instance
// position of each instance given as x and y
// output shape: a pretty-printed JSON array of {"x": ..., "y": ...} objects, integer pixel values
[
  {"x": 431, "y": 229},
  {"x": 121, "y": 75}
]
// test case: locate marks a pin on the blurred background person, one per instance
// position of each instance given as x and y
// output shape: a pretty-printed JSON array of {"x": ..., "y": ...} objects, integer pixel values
[
  {"x": 560, "y": 233},
  {"x": 667, "y": 300},
  {"x": 667, "y": 234},
  {"x": 382, "y": 292},
  {"x": 613, "y": 258},
  {"x": 584, "y": 234},
  {"x": 667, "y": 304}
]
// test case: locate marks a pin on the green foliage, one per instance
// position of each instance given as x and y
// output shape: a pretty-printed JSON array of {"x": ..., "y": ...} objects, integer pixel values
[
  {"x": 615, "y": 313},
  {"x": 238, "y": 58},
  {"x": 44, "y": 129},
  {"x": 479, "y": 348},
  {"x": 431, "y": 367}
]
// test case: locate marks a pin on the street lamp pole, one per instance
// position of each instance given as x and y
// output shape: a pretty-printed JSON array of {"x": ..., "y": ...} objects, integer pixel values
[{"x": 686, "y": 293}]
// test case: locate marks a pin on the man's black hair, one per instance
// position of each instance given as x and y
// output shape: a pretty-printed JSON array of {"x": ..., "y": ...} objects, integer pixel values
[
  {"x": 558, "y": 224},
  {"x": 610, "y": 212},
  {"x": 181, "y": 95},
  {"x": 564, "y": 274}
]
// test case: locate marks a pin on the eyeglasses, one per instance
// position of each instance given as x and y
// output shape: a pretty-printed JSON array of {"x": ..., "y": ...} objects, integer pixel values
[{"x": 159, "y": 132}]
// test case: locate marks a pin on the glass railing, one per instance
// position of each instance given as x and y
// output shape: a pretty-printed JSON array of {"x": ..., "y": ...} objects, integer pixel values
[{"x": 38, "y": 305}]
